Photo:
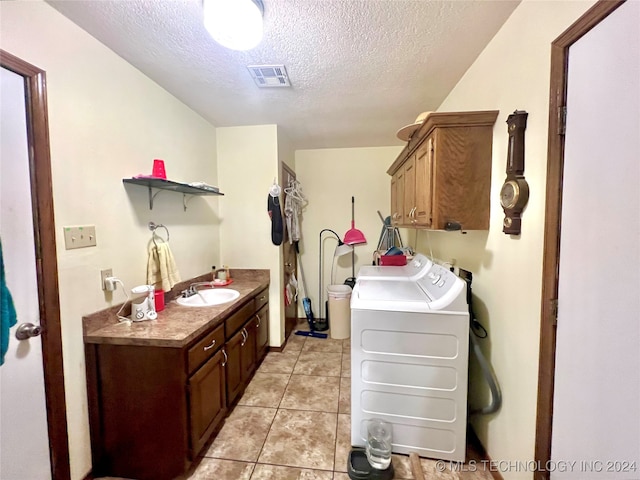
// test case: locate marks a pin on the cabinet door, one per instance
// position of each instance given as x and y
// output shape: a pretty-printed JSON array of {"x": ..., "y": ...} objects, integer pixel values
[
  {"x": 248, "y": 350},
  {"x": 207, "y": 401},
  {"x": 409, "y": 191},
  {"x": 233, "y": 368},
  {"x": 397, "y": 197},
  {"x": 424, "y": 185},
  {"x": 262, "y": 333}
]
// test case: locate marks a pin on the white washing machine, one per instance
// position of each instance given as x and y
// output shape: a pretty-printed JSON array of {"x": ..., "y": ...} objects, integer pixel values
[
  {"x": 409, "y": 362},
  {"x": 415, "y": 269}
]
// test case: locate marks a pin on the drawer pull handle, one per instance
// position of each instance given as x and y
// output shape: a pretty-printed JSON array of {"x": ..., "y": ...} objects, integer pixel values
[
  {"x": 258, "y": 317},
  {"x": 245, "y": 336},
  {"x": 224, "y": 364},
  {"x": 262, "y": 298},
  {"x": 209, "y": 347}
]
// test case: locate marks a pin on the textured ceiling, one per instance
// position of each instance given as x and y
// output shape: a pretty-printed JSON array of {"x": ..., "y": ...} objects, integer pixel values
[{"x": 359, "y": 69}]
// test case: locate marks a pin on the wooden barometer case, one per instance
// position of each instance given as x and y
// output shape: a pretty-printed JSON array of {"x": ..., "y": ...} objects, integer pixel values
[{"x": 514, "y": 193}]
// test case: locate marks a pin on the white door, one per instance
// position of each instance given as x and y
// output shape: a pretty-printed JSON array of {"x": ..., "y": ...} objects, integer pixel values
[
  {"x": 24, "y": 443},
  {"x": 596, "y": 419}
]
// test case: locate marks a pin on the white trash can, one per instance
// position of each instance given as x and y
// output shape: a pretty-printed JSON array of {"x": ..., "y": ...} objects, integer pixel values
[{"x": 339, "y": 311}]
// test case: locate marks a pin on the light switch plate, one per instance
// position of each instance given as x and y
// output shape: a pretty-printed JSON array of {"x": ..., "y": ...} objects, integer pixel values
[{"x": 79, "y": 237}]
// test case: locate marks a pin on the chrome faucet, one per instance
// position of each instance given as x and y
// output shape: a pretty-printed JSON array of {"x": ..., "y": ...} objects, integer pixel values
[{"x": 193, "y": 289}]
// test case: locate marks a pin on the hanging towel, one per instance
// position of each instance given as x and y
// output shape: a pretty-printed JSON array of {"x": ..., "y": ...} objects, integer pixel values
[
  {"x": 161, "y": 267},
  {"x": 8, "y": 316}
]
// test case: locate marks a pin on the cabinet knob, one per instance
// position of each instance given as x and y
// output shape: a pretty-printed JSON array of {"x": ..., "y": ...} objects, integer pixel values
[
  {"x": 245, "y": 336},
  {"x": 258, "y": 317}
]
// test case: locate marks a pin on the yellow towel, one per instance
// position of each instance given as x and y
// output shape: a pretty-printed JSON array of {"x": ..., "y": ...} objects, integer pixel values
[{"x": 161, "y": 267}]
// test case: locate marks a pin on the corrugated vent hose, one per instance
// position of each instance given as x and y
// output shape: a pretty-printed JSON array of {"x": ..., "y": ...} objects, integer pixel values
[{"x": 487, "y": 370}]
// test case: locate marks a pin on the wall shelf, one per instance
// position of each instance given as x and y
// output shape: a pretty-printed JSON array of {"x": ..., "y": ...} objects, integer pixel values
[{"x": 161, "y": 184}]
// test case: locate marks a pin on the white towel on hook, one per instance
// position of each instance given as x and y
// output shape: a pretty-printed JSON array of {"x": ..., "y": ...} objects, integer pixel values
[{"x": 161, "y": 267}]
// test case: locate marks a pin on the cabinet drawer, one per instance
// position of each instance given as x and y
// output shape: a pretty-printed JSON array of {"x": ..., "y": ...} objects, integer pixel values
[
  {"x": 261, "y": 299},
  {"x": 235, "y": 321},
  {"x": 205, "y": 348}
]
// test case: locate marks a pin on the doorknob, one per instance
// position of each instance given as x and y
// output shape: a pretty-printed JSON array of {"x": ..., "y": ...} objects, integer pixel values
[{"x": 28, "y": 330}]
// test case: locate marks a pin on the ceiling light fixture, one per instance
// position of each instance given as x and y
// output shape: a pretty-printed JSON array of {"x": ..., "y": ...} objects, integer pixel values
[{"x": 235, "y": 24}]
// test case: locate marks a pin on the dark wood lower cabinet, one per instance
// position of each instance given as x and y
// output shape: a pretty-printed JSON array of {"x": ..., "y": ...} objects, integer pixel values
[
  {"x": 153, "y": 408},
  {"x": 262, "y": 332},
  {"x": 207, "y": 400},
  {"x": 248, "y": 350},
  {"x": 233, "y": 367},
  {"x": 138, "y": 419}
]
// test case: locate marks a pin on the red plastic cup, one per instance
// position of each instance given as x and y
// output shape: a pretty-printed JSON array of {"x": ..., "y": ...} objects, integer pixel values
[
  {"x": 158, "y": 169},
  {"x": 159, "y": 300}
]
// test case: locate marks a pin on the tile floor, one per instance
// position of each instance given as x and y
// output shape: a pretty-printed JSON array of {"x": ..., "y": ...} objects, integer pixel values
[{"x": 293, "y": 422}]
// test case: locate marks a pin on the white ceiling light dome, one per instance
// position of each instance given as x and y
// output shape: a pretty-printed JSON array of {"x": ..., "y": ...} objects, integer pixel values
[{"x": 235, "y": 24}]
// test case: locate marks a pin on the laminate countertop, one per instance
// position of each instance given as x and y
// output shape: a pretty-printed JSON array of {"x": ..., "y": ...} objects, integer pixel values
[{"x": 176, "y": 326}]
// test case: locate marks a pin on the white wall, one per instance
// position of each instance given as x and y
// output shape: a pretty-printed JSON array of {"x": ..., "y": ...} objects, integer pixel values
[
  {"x": 248, "y": 163},
  {"x": 107, "y": 121},
  {"x": 511, "y": 73},
  {"x": 330, "y": 177}
]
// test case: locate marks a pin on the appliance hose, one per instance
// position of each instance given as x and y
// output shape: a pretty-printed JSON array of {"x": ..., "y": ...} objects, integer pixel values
[
  {"x": 490, "y": 377},
  {"x": 487, "y": 370}
]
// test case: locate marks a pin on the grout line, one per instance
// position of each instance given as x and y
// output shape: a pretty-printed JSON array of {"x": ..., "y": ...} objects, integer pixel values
[{"x": 264, "y": 442}]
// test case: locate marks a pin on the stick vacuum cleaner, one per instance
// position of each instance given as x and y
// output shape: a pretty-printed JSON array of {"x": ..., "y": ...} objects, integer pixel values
[{"x": 306, "y": 303}]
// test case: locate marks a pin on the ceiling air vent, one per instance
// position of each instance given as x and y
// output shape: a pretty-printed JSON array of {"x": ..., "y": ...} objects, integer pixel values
[{"x": 269, "y": 76}]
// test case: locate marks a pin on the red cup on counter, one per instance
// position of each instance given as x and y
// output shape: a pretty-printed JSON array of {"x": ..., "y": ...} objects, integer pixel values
[{"x": 159, "y": 300}]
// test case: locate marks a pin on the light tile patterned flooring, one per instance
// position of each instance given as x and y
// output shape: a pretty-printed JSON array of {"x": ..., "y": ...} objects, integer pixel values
[{"x": 293, "y": 422}]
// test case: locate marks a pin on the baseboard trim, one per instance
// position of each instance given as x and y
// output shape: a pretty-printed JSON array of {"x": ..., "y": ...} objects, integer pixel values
[{"x": 281, "y": 347}]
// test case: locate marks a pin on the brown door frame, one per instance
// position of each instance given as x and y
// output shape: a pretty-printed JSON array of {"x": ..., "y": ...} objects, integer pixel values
[
  {"x": 289, "y": 323},
  {"x": 46, "y": 260},
  {"x": 553, "y": 218}
]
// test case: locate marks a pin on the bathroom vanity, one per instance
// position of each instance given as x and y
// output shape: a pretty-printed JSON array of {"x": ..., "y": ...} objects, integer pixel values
[{"x": 159, "y": 390}]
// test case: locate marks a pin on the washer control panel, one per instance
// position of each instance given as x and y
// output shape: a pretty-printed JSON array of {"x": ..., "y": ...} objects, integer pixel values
[{"x": 437, "y": 281}]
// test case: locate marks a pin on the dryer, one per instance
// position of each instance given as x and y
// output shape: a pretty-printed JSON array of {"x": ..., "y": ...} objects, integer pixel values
[{"x": 409, "y": 362}]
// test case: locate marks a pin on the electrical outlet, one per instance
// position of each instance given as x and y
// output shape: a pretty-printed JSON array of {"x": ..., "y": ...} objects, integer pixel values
[{"x": 104, "y": 274}]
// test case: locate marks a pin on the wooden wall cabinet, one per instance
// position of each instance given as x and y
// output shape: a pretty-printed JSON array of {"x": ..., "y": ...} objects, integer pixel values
[
  {"x": 443, "y": 176},
  {"x": 153, "y": 408}
]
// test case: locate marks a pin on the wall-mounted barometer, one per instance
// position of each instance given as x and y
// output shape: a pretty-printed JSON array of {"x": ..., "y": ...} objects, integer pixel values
[{"x": 514, "y": 193}]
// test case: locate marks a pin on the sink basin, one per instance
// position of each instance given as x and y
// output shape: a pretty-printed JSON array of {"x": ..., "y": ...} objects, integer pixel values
[{"x": 209, "y": 297}]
